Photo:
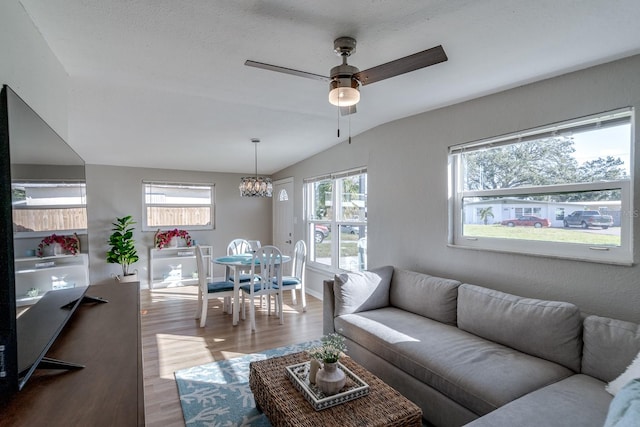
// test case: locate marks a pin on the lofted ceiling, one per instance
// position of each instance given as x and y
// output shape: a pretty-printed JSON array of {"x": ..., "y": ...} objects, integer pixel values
[{"x": 162, "y": 83}]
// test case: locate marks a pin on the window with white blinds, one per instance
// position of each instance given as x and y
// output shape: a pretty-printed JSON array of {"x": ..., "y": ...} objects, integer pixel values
[
  {"x": 562, "y": 190},
  {"x": 188, "y": 206},
  {"x": 336, "y": 220}
]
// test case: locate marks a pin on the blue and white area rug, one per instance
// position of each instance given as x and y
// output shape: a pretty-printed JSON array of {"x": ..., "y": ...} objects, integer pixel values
[{"x": 218, "y": 393}]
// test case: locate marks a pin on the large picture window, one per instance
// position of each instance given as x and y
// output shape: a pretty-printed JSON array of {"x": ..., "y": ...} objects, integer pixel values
[
  {"x": 336, "y": 213},
  {"x": 41, "y": 208},
  {"x": 562, "y": 190},
  {"x": 182, "y": 205}
]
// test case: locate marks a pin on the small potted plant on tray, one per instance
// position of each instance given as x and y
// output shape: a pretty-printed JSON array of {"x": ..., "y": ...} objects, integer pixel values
[{"x": 330, "y": 378}]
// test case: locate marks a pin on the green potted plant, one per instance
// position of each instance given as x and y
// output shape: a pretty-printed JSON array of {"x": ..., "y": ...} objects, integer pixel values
[{"x": 123, "y": 249}]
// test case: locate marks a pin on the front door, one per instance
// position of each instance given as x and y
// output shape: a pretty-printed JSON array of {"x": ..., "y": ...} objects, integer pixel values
[{"x": 283, "y": 216}]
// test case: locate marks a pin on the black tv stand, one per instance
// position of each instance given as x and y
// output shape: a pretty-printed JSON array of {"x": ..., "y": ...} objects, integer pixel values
[
  {"x": 49, "y": 363},
  {"x": 86, "y": 299},
  {"x": 39, "y": 327}
]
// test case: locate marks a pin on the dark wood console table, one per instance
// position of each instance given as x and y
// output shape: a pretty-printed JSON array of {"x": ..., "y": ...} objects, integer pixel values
[{"x": 108, "y": 391}]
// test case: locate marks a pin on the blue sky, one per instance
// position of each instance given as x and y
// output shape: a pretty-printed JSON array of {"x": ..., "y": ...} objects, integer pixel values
[{"x": 611, "y": 141}]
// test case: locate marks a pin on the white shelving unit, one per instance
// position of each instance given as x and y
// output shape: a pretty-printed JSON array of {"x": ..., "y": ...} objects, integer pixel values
[
  {"x": 47, "y": 274},
  {"x": 176, "y": 266}
]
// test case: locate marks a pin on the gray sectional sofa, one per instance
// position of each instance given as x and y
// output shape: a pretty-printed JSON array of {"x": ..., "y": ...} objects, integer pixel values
[{"x": 469, "y": 354}]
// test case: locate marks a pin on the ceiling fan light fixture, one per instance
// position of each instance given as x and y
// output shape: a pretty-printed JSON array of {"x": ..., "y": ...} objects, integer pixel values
[{"x": 344, "y": 92}]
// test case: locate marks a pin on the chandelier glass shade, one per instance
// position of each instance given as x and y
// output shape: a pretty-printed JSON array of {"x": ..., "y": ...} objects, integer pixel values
[{"x": 256, "y": 186}]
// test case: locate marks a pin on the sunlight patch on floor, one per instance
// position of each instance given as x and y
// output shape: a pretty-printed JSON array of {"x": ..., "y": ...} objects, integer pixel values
[{"x": 171, "y": 348}]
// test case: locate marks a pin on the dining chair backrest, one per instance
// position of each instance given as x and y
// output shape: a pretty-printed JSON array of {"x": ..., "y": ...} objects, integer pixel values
[
  {"x": 266, "y": 267},
  {"x": 362, "y": 254},
  {"x": 202, "y": 272},
  {"x": 255, "y": 244},
  {"x": 238, "y": 246},
  {"x": 299, "y": 260}
]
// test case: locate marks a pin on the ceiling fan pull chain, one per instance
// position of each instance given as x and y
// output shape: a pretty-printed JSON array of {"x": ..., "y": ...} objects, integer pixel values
[
  {"x": 349, "y": 129},
  {"x": 338, "y": 109}
]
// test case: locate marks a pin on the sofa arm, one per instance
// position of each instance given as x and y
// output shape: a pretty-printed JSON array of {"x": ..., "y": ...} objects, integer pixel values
[{"x": 328, "y": 307}]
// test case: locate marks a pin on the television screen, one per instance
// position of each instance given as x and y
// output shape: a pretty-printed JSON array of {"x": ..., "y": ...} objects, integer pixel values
[{"x": 30, "y": 318}]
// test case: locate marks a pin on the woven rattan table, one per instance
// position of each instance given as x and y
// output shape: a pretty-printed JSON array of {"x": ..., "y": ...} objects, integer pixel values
[{"x": 276, "y": 396}]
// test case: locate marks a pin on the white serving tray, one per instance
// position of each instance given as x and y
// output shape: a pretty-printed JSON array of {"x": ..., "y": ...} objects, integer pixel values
[{"x": 353, "y": 389}]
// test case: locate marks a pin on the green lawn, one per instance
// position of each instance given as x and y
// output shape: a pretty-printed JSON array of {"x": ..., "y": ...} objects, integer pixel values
[
  {"x": 568, "y": 235},
  {"x": 349, "y": 246}
]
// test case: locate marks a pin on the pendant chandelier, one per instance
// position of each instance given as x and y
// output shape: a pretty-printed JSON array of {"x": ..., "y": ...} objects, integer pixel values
[{"x": 256, "y": 186}]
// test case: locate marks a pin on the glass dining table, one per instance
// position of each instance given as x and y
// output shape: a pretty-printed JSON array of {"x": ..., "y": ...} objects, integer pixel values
[{"x": 237, "y": 263}]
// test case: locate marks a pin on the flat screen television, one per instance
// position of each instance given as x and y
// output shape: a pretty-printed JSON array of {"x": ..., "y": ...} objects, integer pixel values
[{"x": 27, "y": 143}]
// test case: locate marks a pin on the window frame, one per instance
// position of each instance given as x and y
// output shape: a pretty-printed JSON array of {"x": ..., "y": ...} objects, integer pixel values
[
  {"x": 335, "y": 223},
  {"x": 621, "y": 255},
  {"x": 211, "y": 206},
  {"x": 38, "y": 183}
]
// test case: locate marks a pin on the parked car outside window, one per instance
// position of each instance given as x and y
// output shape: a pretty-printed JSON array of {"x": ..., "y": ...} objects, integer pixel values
[
  {"x": 586, "y": 219},
  {"x": 349, "y": 229},
  {"x": 528, "y": 221},
  {"x": 321, "y": 233}
]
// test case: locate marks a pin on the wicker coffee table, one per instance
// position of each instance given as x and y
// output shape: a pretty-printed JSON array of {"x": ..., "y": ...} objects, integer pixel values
[{"x": 285, "y": 406}]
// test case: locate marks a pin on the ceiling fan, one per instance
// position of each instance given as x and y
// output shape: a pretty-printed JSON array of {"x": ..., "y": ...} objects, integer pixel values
[{"x": 345, "y": 80}]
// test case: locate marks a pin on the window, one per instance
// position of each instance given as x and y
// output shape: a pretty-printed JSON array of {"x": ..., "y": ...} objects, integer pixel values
[
  {"x": 186, "y": 206},
  {"x": 336, "y": 213},
  {"x": 562, "y": 190},
  {"x": 41, "y": 208}
]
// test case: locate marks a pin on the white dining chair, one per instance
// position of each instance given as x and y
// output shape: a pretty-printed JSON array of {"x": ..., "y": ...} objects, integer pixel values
[
  {"x": 239, "y": 247},
  {"x": 209, "y": 290},
  {"x": 255, "y": 244},
  {"x": 268, "y": 282},
  {"x": 296, "y": 280}
]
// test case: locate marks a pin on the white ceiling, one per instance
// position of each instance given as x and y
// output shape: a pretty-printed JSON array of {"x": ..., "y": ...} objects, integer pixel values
[{"x": 162, "y": 83}]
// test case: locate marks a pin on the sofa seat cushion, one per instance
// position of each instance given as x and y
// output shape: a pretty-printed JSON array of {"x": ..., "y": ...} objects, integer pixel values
[
  {"x": 579, "y": 400},
  {"x": 478, "y": 374}
]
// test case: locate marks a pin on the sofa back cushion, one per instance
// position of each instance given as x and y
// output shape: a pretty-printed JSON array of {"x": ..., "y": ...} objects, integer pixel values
[
  {"x": 551, "y": 330},
  {"x": 610, "y": 345},
  {"x": 362, "y": 291},
  {"x": 428, "y": 296}
]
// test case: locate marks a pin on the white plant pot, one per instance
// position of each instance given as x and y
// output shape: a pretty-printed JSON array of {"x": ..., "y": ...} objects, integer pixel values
[
  {"x": 128, "y": 278},
  {"x": 330, "y": 379},
  {"x": 53, "y": 249}
]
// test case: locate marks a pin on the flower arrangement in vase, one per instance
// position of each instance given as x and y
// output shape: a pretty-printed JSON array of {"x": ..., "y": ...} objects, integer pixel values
[
  {"x": 163, "y": 239},
  {"x": 68, "y": 244},
  {"x": 330, "y": 378}
]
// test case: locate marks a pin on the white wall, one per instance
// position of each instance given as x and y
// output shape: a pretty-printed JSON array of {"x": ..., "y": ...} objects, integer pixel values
[
  {"x": 29, "y": 67},
  {"x": 406, "y": 160},
  {"x": 117, "y": 191},
  {"x": 407, "y": 200}
]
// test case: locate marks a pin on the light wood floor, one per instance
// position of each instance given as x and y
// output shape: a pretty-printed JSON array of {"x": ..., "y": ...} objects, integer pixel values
[{"x": 172, "y": 340}]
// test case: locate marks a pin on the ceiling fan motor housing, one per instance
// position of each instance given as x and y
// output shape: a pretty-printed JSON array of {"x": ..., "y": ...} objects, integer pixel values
[{"x": 344, "y": 46}]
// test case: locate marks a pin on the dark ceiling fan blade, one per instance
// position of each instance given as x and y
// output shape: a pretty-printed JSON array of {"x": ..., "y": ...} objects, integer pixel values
[
  {"x": 286, "y": 70},
  {"x": 345, "y": 111},
  {"x": 428, "y": 57}
]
